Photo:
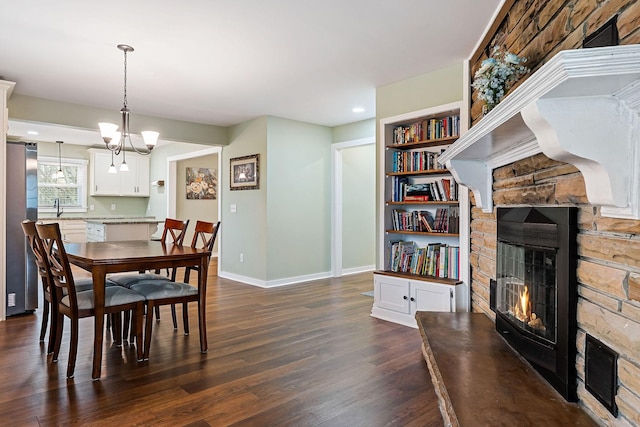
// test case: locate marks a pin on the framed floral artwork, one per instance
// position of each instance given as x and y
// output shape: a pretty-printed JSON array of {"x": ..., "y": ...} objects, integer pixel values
[
  {"x": 244, "y": 172},
  {"x": 202, "y": 184}
]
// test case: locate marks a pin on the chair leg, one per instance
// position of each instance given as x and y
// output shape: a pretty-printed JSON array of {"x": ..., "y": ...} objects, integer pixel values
[
  {"x": 53, "y": 327},
  {"x": 73, "y": 348},
  {"x": 58, "y": 338},
  {"x": 137, "y": 319},
  {"x": 116, "y": 328},
  {"x": 45, "y": 320},
  {"x": 157, "y": 313},
  {"x": 173, "y": 316},
  {"x": 148, "y": 329},
  {"x": 185, "y": 318}
]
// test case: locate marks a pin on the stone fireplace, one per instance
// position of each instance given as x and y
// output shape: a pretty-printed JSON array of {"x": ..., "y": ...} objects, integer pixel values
[
  {"x": 568, "y": 136},
  {"x": 536, "y": 291}
]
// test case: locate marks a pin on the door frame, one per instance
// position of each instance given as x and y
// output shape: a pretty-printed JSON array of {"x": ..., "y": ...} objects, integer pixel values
[{"x": 336, "y": 199}]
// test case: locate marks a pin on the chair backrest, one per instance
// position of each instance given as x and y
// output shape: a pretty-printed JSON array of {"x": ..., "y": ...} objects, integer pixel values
[
  {"x": 29, "y": 228},
  {"x": 205, "y": 234},
  {"x": 176, "y": 229},
  {"x": 56, "y": 256}
]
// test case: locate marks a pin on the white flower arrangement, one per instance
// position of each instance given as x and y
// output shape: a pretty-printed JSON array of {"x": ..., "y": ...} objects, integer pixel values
[{"x": 496, "y": 75}]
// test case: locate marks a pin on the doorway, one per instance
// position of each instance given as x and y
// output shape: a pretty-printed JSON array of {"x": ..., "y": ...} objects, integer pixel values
[{"x": 353, "y": 207}]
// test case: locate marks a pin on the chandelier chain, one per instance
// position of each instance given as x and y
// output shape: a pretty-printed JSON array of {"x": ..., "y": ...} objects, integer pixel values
[{"x": 125, "y": 79}]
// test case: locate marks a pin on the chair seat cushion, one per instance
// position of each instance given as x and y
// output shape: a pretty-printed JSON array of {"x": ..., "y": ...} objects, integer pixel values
[
  {"x": 164, "y": 289},
  {"x": 127, "y": 279},
  {"x": 87, "y": 284},
  {"x": 113, "y": 295}
]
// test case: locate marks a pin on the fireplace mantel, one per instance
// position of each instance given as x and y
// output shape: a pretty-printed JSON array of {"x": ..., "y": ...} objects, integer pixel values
[{"x": 582, "y": 108}]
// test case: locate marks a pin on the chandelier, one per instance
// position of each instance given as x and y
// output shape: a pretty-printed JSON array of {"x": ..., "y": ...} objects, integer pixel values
[{"x": 116, "y": 138}]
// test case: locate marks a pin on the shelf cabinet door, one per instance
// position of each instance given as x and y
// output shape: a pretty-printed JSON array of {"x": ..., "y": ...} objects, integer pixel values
[
  {"x": 133, "y": 183},
  {"x": 102, "y": 182},
  {"x": 427, "y": 296},
  {"x": 392, "y": 293}
]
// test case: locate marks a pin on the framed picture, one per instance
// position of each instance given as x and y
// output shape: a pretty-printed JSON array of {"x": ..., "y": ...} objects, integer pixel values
[
  {"x": 244, "y": 172},
  {"x": 202, "y": 184}
]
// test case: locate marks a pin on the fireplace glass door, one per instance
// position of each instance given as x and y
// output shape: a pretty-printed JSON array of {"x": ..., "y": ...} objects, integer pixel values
[{"x": 526, "y": 289}]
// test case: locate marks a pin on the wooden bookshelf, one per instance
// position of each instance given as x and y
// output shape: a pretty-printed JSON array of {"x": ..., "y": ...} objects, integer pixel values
[{"x": 405, "y": 224}]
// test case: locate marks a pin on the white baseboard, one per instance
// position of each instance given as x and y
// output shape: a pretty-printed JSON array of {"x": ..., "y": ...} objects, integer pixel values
[
  {"x": 274, "y": 283},
  {"x": 356, "y": 270}
]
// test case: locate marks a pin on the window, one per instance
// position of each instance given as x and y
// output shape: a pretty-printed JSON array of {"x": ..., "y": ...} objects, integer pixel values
[{"x": 70, "y": 190}]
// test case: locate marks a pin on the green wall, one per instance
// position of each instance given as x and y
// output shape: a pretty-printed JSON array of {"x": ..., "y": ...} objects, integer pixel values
[
  {"x": 424, "y": 91},
  {"x": 353, "y": 131},
  {"x": 245, "y": 231},
  {"x": 358, "y": 206},
  {"x": 299, "y": 202}
]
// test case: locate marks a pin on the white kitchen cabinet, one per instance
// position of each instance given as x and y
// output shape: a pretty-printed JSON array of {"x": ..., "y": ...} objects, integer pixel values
[
  {"x": 133, "y": 183},
  {"x": 114, "y": 230},
  {"x": 73, "y": 231},
  {"x": 397, "y": 299}
]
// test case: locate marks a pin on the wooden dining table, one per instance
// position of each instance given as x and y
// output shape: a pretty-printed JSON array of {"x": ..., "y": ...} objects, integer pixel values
[{"x": 102, "y": 258}]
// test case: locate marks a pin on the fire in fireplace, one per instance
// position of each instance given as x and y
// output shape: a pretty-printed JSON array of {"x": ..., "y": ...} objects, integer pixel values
[{"x": 536, "y": 291}]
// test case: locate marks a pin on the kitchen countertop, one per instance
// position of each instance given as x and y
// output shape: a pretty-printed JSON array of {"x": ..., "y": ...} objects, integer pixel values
[
  {"x": 124, "y": 221},
  {"x": 104, "y": 220}
]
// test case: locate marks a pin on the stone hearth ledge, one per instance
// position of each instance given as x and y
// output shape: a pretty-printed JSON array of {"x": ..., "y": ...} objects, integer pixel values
[{"x": 481, "y": 381}]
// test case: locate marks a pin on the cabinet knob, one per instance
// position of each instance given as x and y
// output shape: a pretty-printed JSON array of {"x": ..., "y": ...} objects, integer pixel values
[
  {"x": 413, "y": 299},
  {"x": 404, "y": 297}
]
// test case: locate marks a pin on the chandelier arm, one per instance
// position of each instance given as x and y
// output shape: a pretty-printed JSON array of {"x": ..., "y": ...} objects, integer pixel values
[{"x": 141, "y": 152}]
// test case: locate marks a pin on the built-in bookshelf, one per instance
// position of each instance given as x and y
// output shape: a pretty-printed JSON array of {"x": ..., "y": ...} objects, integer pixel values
[{"x": 424, "y": 215}]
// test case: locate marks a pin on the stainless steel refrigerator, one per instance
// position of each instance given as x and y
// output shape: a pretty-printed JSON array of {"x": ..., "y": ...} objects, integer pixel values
[{"x": 22, "y": 203}]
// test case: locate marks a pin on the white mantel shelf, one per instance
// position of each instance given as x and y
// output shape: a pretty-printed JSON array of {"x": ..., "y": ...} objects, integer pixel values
[{"x": 582, "y": 108}]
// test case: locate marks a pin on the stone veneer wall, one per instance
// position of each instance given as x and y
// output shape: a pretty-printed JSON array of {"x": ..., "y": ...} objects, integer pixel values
[
  {"x": 608, "y": 271},
  {"x": 608, "y": 249}
]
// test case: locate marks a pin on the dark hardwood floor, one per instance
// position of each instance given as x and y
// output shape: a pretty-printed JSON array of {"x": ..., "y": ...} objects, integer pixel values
[{"x": 300, "y": 355}]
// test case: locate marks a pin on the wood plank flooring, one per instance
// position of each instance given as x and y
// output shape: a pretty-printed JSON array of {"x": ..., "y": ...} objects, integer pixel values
[{"x": 300, "y": 355}]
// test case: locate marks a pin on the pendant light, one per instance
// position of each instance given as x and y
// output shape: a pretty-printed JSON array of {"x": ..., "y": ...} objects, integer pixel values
[
  {"x": 114, "y": 138},
  {"x": 60, "y": 174}
]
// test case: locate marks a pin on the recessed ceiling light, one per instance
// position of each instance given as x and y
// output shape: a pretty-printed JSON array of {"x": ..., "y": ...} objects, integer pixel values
[
  {"x": 358, "y": 110},
  {"x": 32, "y": 132}
]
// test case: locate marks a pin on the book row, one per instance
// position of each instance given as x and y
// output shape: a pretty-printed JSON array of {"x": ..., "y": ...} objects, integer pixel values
[
  {"x": 427, "y": 130},
  {"x": 414, "y": 161},
  {"x": 438, "y": 190},
  {"x": 445, "y": 220},
  {"x": 436, "y": 259}
]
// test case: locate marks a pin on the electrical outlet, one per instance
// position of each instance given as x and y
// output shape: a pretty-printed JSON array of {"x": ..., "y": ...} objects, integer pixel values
[
  {"x": 92, "y": 207},
  {"x": 113, "y": 206},
  {"x": 241, "y": 257},
  {"x": 11, "y": 299}
]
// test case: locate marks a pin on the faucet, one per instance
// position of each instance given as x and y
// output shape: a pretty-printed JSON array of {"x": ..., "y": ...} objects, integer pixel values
[{"x": 56, "y": 204}]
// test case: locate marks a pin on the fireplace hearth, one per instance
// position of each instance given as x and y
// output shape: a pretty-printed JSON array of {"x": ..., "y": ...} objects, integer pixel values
[{"x": 536, "y": 289}]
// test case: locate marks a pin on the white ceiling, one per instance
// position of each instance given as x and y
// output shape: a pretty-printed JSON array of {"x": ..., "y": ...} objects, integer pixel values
[{"x": 223, "y": 62}]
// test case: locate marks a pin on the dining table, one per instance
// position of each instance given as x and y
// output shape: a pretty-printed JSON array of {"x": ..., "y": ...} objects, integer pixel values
[{"x": 102, "y": 258}]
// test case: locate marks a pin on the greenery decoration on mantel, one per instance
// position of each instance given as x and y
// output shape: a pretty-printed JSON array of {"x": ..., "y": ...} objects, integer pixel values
[{"x": 496, "y": 75}]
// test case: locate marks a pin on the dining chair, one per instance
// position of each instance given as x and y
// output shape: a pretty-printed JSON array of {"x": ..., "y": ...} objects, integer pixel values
[
  {"x": 158, "y": 293},
  {"x": 204, "y": 237},
  {"x": 76, "y": 305},
  {"x": 49, "y": 303},
  {"x": 174, "y": 232}
]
